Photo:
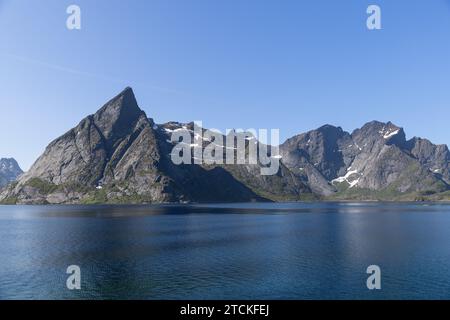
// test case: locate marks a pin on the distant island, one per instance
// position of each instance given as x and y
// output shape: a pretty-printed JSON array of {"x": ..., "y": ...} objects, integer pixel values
[{"x": 120, "y": 156}]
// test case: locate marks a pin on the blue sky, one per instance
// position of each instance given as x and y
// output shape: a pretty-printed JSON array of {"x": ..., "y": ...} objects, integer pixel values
[{"x": 293, "y": 65}]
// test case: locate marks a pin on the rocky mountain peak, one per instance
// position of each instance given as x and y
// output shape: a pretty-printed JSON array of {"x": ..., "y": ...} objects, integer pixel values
[
  {"x": 378, "y": 129},
  {"x": 376, "y": 132},
  {"x": 9, "y": 171},
  {"x": 436, "y": 158},
  {"x": 119, "y": 114},
  {"x": 329, "y": 128},
  {"x": 9, "y": 164}
]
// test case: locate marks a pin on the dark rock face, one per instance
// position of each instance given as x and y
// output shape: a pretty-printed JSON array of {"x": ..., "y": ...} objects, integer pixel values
[
  {"x": 376, "y": 157},
  {"x": 317, "y": 156},
  {"x": 435, "y": 158},
  {"x": 9, "y": 171},
  {"x": 119, "y": 155}
]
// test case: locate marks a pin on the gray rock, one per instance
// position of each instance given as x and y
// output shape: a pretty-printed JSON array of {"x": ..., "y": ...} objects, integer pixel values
[
  {"x": 376, "y": 157},
  {"x": 9, "y": 171},
  {"x": 435, "y": 158}
]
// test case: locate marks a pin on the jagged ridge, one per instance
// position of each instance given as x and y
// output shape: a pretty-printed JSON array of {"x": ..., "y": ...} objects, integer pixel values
[{"x": 119, "y": 155}]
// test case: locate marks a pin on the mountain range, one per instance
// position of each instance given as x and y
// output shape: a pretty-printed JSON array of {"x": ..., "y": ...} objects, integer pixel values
[{"x": 119, "y": 155}]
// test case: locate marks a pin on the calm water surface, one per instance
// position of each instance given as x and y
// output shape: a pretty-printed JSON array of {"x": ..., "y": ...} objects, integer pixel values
[{"x": 223, "y": 251}]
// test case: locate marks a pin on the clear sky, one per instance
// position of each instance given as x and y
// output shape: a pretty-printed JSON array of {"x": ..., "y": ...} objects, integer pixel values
[{"x": 293, "y": 65}]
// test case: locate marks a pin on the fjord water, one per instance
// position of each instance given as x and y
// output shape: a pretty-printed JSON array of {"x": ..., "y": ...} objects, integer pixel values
[{"x": 226, "y": 251}]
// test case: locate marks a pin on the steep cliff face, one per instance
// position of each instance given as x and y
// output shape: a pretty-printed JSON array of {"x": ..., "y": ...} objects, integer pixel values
[
  {"x": 119, "y": 155},
  {"x": 374, "y": 158},
  {"x": 9, "y": 171},
  {"x": 318, "y": 156},
  {"x": 115, "y": 144},
  {"x": 384, "y": 162},
  {"x": 435, "y": 158},
  {"x": 95, "y": 151}
]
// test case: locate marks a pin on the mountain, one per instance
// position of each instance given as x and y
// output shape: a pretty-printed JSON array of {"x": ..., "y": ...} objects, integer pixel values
[
  {"x": 119, "y": 155},
  {"x": 9, "y": 171},
  {"x": 375, "y": 162}
]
